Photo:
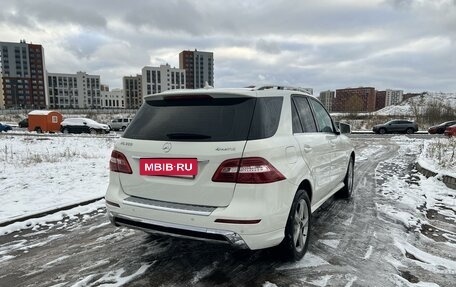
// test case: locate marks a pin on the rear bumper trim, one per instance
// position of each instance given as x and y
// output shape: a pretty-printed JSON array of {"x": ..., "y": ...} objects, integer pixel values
[
  {"x": 178, "y": 230},
  {"x": 169, "y": 206}
]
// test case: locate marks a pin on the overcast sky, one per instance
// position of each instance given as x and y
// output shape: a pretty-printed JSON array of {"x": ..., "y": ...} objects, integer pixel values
[{"x": 322, "y": 44}]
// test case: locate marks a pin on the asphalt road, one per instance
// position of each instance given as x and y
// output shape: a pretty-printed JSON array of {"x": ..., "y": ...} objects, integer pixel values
[{"x": 351, "y": 245}]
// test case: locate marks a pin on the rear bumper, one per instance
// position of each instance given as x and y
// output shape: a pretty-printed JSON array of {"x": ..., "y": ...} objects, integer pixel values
[
  {"x": 255, "y": 218},
  {"x": 178, "y": 230}
]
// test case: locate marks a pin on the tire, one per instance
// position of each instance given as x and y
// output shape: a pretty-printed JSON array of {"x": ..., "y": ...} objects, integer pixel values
[
  {"x": 347, "y": 190},
  {"x": 409, "y": 131},
  {"x": 123, "y": 128},
  {"x": 65, "y": 131},
  {"x": 38, "y": 130},
  {"x": 382, "y": 131},
  {"x": 93, "y": 131},
  {"x": 297, "y": 230}
]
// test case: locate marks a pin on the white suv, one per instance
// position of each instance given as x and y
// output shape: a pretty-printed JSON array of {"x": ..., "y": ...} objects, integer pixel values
[
  {"x": 119, "y": 124},
  {"x": 241, "y": 166}
]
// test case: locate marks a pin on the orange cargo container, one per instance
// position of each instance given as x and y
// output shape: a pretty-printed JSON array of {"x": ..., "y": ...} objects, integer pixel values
[{"x": 44, "y": 121}]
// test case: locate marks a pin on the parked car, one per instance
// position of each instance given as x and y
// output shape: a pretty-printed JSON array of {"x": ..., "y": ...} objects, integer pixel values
[
  {"x": 450, "y": 131},
  {"x": 83, "y": 125},
  {"x": 5, "y": 127},
  {"x": 23, "y": 123},
  {"x": 119, "y": 124},
  {"x": 439, "y": 129},
  {"x": 396, "y": 126},
  {"x": 240, "y": 166}
]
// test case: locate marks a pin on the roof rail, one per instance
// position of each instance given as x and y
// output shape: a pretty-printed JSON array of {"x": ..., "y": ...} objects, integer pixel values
[{"x": 279, "y": 87}]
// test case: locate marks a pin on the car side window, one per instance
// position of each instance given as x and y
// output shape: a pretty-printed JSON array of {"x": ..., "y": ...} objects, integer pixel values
[
  {"x": 322, "y": 117},
  {"x": 297, "y": 128},
  {"x": 305, "y": 115}
]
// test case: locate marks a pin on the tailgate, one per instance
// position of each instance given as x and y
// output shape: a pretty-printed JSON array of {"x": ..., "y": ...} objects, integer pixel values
[{"x": 198, "y": 189}]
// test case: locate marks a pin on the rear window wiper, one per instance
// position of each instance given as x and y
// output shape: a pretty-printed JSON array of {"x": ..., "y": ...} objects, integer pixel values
[{"x": 187, "y": 136}]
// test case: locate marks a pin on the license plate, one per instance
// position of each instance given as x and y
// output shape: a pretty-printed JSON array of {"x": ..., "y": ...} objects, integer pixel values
[{"x": 168, "y": 166}]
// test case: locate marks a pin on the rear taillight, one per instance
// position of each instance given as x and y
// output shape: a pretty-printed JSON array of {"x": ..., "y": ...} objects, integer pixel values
[
  {"x": 119, "y": 163},
  {"x": 247, "y": 170}
]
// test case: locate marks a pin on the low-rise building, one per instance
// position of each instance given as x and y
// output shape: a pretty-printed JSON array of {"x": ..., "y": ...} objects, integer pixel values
[{"x": 114, "y": 99}]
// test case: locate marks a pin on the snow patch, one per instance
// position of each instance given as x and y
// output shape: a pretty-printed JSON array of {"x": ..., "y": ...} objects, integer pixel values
[
  {"x": 6, "y": 258},
  {"x": 112, "y": 278},
  {"x": 321, "y": 282},
  {"x": 203, "y": 273},
  {"x": 330, "y": 242},
  {"x": 309, "y": 260},
  {"x": 399, "y": 281},
  {"x": 368, "y": 253},
  {"x": 407, "y": 219},
  {"x": 71, "y": 213},
  {"x": 351, "y": 280},
  {"x": 428, "y": 261},
  {"x": 368, "y": 152},
  {"x": 60, "y": 259},
  {"x": 269, "y": 284}
]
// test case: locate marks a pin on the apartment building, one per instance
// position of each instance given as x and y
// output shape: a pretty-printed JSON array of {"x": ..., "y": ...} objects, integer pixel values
[
  {"x": 362, "y": 99},
  {"x": 199, "y": 68},
  {"x": 163, "y": 78},
  {"x": 114, "y": 99},
  {"x": 132, "y": 87},
  {"x": 104, "y": 88},
  {"x": 326, "y": 98},
  {"x": 2, "y": 98},
  {"x": 380, "y": 100},
  {"x": 393, "y": 97},
  {"x": 79, "y": 90},
  {"x": 23, "y": 76}
]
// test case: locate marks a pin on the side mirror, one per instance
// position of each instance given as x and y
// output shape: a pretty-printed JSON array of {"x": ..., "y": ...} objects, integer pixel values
[
  {"x": 342, "y": 128},
  {"x": 85, "y": 123}
]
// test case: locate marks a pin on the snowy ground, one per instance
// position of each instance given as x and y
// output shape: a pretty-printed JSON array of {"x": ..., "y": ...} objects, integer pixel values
[
  {"x": 439, "y": 156},
  {"x": 41, "y": 173},
  {"x": 421, "y": 102},
  {"x": 398, "y": 230}
]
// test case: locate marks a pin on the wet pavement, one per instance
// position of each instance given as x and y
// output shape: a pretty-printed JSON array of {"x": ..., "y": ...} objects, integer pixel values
[{"x": 365, "y": 241}]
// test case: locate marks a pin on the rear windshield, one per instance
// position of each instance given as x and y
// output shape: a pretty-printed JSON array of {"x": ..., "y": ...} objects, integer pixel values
[{"x": 206, "y": 119}]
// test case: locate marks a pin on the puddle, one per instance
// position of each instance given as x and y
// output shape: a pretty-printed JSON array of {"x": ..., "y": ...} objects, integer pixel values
[{"x": 409, "y": 276}]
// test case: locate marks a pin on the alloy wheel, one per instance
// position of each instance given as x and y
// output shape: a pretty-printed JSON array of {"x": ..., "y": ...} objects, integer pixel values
[{"x": 301, "y": 225}]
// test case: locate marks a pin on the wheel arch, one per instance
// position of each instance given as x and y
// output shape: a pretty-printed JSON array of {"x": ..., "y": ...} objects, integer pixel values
[{"x": 307, "y": 186}]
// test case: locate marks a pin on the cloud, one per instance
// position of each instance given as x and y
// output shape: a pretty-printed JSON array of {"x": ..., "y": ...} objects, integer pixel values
[
  {"x": 268, "y": 46},
  {"x": 320, "y": 44}
]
